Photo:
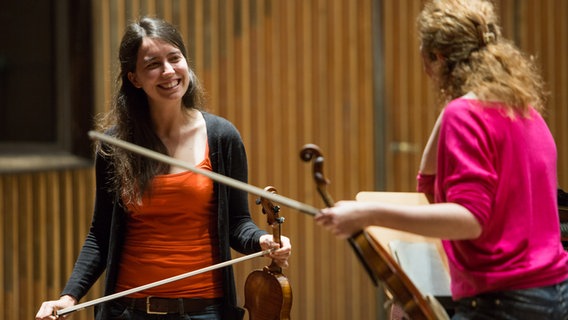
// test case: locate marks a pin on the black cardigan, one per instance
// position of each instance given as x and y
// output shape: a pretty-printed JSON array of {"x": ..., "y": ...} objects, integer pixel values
[{"x": 102, "y": 247}]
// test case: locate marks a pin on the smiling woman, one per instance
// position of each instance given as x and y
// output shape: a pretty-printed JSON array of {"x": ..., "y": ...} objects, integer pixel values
[
  {"x": 144, "y": 229},
  {"x": 163, "y": 73}
]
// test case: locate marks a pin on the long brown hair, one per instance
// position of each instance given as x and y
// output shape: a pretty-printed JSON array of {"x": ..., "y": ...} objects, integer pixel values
[
  {"x": 129, "y": 116},
  {"x": 466, "y": 34}
]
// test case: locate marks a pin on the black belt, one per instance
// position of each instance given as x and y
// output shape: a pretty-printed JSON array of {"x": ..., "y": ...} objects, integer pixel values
[{"x": 156, "y": 305}]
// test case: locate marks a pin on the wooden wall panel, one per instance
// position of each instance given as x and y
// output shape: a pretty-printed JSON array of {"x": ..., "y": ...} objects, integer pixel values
[
  {"x": 43, "y": 225},
  {"x": 543, "y": 33},
  {"x": 409, "y": 103},
  {"x": 537, "y": 27}
]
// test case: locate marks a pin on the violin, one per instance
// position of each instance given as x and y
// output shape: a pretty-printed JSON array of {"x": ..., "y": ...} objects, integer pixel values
[
  {"x": 378, "y": 263},
  {"x": 268, "y": 294}
]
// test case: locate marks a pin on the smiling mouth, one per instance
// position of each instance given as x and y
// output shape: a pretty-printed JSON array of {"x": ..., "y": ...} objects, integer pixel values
[{"x": 171, "y": 84}]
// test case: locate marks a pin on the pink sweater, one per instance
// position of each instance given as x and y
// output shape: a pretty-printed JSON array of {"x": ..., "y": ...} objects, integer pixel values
[{"x": 503, "y": 170}]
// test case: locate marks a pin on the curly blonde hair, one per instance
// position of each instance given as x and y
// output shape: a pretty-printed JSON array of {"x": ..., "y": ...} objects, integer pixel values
[{"x": 476, "y": 57}]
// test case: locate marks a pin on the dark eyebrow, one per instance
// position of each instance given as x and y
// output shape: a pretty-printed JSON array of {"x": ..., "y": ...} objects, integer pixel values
[
  {"x": 177, "y": 51},
  {"x": 148, "y": 60},
  {"x": 171, "y": 53}
]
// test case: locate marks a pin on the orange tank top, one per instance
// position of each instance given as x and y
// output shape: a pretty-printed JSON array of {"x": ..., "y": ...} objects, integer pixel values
[{"x": 173, "y": 231}]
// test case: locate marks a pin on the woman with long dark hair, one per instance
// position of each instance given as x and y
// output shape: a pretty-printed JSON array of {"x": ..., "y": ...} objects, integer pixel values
[{"x": 153, "y": 221}]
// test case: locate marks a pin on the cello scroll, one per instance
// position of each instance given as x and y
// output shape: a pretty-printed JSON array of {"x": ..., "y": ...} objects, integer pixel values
[{"x": 312, "y": 152}]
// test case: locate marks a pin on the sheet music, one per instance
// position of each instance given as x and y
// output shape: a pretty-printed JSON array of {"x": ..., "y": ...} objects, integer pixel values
[{"x": 423, "y": 265}]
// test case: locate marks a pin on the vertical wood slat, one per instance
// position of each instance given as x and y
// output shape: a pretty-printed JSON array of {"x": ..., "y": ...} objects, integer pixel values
[
  {"x": 5, "y": 256},
  {"x": 308, "y": 83},
  {"x": 53, "y": 190},
  {"x": 387, "y": 20},
  {"x": 40, "y": 246},
  {"x": 561, "y": 94},
  {"x": 10, "y": 263},
  {"x": 39, "y": 243},
  {"x": 25, "y": 265}
]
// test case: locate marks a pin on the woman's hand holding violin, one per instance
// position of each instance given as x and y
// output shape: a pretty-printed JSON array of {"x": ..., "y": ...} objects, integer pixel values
[{"x": 281, "y": 255}]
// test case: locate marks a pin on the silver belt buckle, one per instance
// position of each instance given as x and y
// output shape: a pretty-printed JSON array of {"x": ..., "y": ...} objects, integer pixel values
[{"x": 148, "y": 311}]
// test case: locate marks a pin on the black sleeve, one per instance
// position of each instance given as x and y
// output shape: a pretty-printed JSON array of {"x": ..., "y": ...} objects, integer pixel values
[{"x": 92, "y": 259}]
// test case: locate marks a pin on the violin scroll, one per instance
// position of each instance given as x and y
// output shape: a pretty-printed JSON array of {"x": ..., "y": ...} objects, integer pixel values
[{"x": 272, "y": 215}]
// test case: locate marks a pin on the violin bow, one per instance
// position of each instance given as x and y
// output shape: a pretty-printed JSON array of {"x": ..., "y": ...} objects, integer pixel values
[
  {"x": 117, "y": 295},
  {"x": 210, "y": 174},
  {"x": 213, "y": 176}
]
